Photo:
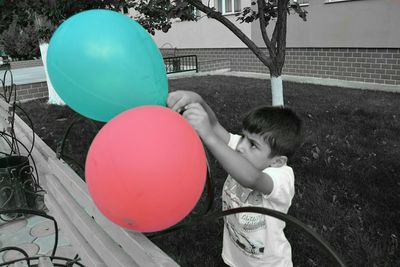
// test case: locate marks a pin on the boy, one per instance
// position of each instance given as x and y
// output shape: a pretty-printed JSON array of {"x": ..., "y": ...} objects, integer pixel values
[{"x": 258, "y": 176}]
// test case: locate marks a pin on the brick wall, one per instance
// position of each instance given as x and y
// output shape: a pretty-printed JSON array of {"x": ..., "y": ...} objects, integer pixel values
[
  {"x": 372, "y": 65},
  {"x": 210, "y": 65},
  {"x": 31, "y": 91}
]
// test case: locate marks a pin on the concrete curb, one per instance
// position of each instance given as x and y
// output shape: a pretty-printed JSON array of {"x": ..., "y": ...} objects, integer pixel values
[
  {"x": 298, "y": 79},
  {"x": 323, "y": 81},
  {"x": 37, "y": 74}
]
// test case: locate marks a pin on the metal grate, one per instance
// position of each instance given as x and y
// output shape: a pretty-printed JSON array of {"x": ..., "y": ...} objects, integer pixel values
[{"x": 181, "y": 64}]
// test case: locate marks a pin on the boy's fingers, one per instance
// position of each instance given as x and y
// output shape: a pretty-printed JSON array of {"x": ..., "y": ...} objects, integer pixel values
[
  {"x": 170, "y": 102},
  {"x": 172, "y": 99},
  {"x": 189, "y": 112},
  {"x": 189, "y": 116},
  {"x": 198, "y": 108},
  {"x": 179, "y": 104},
  {"x": 193, "y": 105},
  {"x": 192, "y": 113}
]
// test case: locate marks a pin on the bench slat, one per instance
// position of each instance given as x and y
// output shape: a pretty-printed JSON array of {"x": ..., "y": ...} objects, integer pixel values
[
  {"x": 45, "y": 262},
  {"x": 107, "y": 249},
  {"x": 86, "y": 252}
]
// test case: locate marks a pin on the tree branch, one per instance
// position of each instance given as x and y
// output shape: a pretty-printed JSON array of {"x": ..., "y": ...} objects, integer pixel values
[
  {"x": 263, "y": 27},
  {"x": 274, "y": 36},
  {"x": 235, "y": 30},
  {"x": 281, "y": 24}
]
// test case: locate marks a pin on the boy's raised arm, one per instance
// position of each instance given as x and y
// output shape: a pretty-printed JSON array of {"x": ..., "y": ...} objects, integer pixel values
[
  {"x": 240, "y": 168},
  {"x": 235, "y": 164}
]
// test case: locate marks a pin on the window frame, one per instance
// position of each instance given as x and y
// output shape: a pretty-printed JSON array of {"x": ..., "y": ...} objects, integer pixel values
[
  {"x": 196, "y": 13},
  {"x": 303, "y": 4},
  {"x": 336, "y": 1},
  {"x": 223, "y": 9}
]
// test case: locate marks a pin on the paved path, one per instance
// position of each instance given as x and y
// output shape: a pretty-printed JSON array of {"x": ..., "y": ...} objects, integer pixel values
[
  {"x": 35, "y": 235},
  {"x": 25, "y": 75}
]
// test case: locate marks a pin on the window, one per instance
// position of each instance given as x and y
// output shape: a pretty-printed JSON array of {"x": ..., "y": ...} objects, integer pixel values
[
  {"x": 302, "y": 2},
  {"x": 334, "y": 1},
  {"x": 228, "y": 6},
  {"x": 196, "y": 13}
]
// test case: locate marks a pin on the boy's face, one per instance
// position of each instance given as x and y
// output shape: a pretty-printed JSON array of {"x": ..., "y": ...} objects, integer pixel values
[{"x": 253, "y": 147}]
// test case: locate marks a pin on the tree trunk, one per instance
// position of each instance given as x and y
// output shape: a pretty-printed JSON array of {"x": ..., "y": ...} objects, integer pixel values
[
  {"x": 277, "y": 91},
  {"x": 54, "y": 98}
]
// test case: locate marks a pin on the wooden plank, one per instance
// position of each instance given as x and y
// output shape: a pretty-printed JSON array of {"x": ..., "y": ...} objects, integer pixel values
[
  {"x": 107, "y": 249},
  {"x": 4, "y": 124},
  {"x": 20, "y": 264},
  {"x": 72, "y": 182},
  {"x": 24, "y": 130},
  {"x": 41, "y": 151},
  {"x": 41, "y": 166},
  {"x": 4, "y": 145},
  {"x": 135, "y": 244},
  {"x": 4, "y": 115},
  {"x": 86, "y": 252},
  {"x": 5, "y": 106},
  {"x": 45, "y": 262}
]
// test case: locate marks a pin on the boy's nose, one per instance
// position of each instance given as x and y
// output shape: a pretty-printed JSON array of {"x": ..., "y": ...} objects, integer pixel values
[{"x": 240, "y": 147}]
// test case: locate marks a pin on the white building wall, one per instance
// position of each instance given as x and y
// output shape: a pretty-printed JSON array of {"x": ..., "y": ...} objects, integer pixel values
[
  {"x": 205, "y": 33},
  {"x": 357, "y": 23}
]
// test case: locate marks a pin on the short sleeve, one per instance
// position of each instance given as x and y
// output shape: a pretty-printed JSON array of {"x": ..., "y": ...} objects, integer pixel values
[
  {"x": 234, "y": 140},
  {"x": 283, "y": 190}
]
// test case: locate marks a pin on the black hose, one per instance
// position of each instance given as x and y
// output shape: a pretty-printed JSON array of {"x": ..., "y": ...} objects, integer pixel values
[{"x": 276, "y": 214}]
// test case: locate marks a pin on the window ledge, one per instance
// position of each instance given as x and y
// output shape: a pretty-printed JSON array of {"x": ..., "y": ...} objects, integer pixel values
[
  {"x": 338, "y": 1},
  {"x": 302, "y": 4},
  {"x": 231, "y": 13}
]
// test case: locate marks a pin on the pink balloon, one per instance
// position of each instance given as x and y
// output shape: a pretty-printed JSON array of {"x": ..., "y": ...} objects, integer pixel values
[{"x": 146, "y": 169}]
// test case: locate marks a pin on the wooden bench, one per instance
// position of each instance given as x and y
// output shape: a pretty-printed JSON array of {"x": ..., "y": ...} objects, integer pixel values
[{"x": 98, "y": 241}]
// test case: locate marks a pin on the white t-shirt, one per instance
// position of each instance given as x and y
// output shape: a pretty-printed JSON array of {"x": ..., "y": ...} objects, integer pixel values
[{"x": 253, "y": 239}]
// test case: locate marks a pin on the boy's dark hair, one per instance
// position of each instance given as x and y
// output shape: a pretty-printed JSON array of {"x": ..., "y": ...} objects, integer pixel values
[{"x": 280, "y": 127}]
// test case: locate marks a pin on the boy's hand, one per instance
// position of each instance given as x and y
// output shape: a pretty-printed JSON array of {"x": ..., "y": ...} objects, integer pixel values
[
  {"x": 198, "y": 118},
  {"x": 179, "y": 99}
]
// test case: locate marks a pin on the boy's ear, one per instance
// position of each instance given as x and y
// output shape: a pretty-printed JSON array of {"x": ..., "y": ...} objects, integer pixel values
[{"x": 279, "y": 161}]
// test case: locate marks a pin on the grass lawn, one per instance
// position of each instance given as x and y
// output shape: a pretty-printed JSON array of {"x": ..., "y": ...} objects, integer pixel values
[{"x": 347, "y": 171}]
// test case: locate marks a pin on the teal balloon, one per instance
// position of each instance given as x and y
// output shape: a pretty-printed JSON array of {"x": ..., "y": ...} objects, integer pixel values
[{"x": 102, "y": 63}]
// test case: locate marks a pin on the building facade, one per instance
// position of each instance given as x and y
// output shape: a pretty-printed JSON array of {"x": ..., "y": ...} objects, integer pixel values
[{"x": 352, "y": 40}]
